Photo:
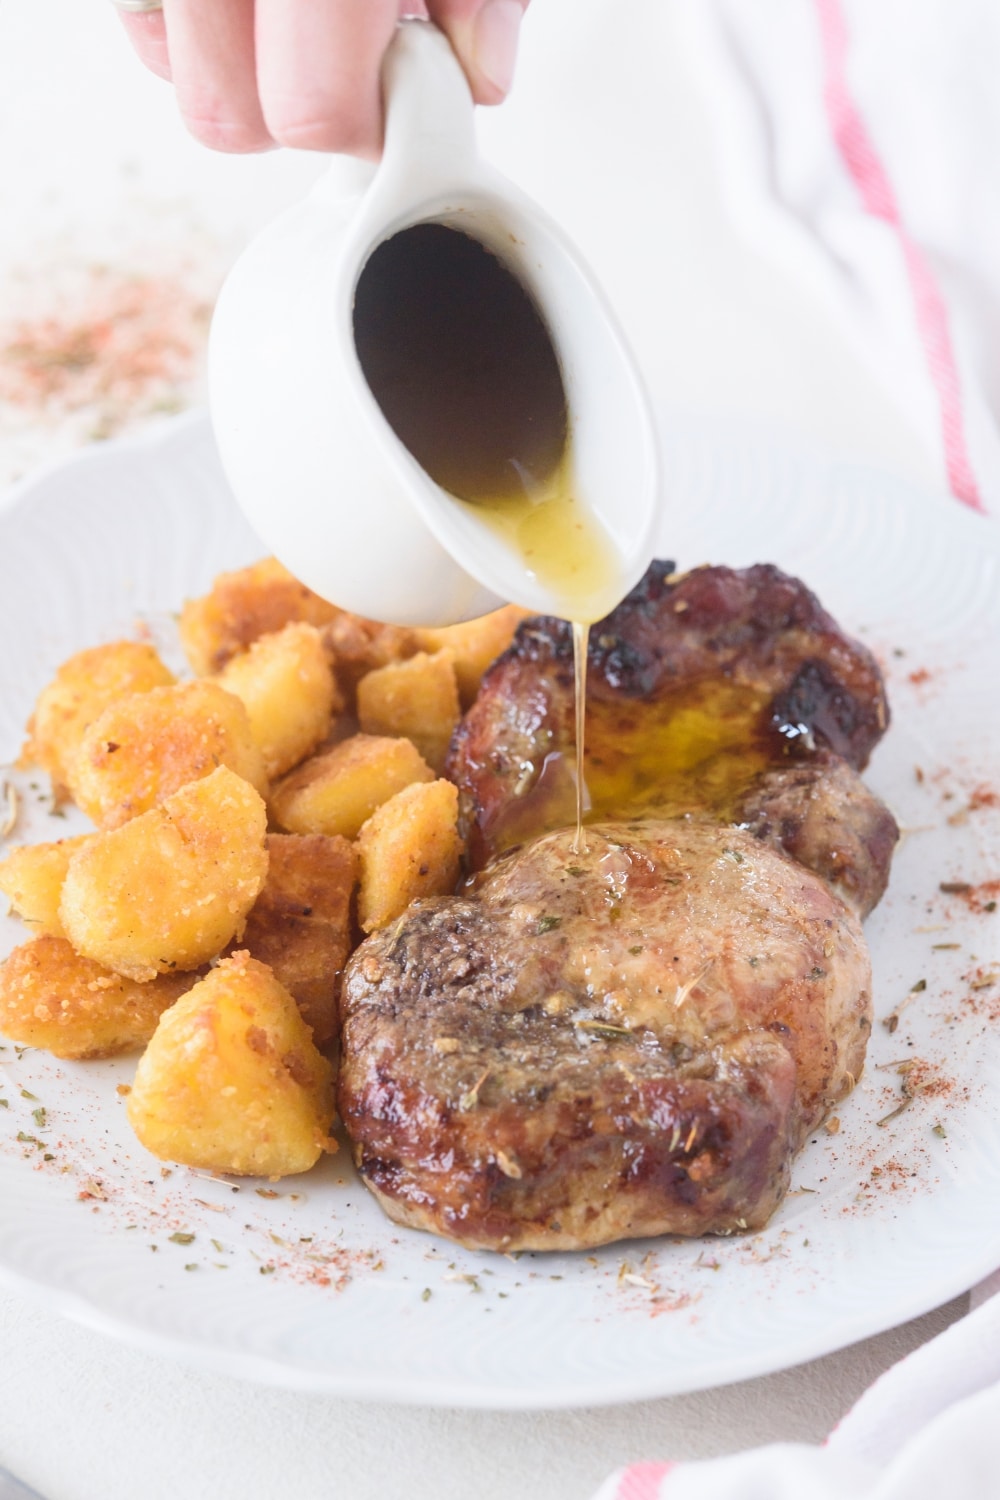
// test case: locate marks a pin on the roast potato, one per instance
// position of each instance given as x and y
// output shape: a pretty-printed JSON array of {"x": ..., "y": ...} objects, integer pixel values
[
  {"x": 242, "y": 606},
  {"x": 31, "y": 877},
  {"x": 336, "y": 791},
  {"x": 300, "y": 924},
  {"x": 147, "y": 746},
  {"x": 171, "y": 888},
  {"x": 409, "y": 847},
  {"x": 287, "y": 686},
  {"x": 82, "y": 688},
  {"x": 231, "y": 1080},
  {"x": 53, "y": 998}
]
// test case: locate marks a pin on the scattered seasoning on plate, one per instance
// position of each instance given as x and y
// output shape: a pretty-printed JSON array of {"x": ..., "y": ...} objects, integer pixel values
[{"x": 980, "y": 898}]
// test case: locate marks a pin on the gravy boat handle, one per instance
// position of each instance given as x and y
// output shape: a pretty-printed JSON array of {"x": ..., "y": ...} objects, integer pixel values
[{"x": 430, "y": 141}]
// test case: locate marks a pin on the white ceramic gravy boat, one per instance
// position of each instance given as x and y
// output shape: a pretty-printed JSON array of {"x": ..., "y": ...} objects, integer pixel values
[{"x": 310, "y": 456}]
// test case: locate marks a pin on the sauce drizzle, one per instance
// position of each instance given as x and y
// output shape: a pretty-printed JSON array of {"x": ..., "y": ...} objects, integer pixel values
[{"x": 580, "y": 637}]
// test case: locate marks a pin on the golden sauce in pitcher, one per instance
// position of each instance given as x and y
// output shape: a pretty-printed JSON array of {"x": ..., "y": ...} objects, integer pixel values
[{"x": 459, "y": 359}]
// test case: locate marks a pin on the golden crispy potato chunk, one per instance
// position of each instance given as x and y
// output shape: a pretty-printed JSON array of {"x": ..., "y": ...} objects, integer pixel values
[
  {"x": 31, "y": 878},
  {"x": 359, "y": 646},
  {"x": 231, "y": 1081},
  {"x": 241, "y": 607},
  {"x": 146, "y": 747},
  {"x": 337, "y": 791},
  {"x": 300, "y": 925},
  {"x": 82, "y": 688},
  {"x": 417, "y": 698},
  {"x": 52, "y": 998},
  {"x": 171, "y": 888},
  {"x": 410, "y": 847},
  {"x": 474, "y": 644},
  {"x": 287, "y": 686}
]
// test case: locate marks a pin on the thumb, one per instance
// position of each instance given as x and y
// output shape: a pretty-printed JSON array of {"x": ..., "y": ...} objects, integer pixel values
[{"x": 484, "y": 34}]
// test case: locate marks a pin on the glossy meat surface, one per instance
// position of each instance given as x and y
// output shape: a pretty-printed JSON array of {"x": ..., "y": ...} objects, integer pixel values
[
  {"x": 821, "y": 813},
  {"x": 629, "y": 1041},
  {"x": 697, "y": 685}
]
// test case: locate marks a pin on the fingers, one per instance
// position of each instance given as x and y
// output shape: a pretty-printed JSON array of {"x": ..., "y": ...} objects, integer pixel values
[
  {"x": 484, "y": 34},
  {"x": 213, "y": 66},
  {"x": 318, "y": 64},
  {"x": 252, "y": 73},
  {"x": 148, "y": 35}
]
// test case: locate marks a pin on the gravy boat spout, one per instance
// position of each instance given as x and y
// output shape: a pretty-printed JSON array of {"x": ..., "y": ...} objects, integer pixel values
[{"x": 309, "y": 449}]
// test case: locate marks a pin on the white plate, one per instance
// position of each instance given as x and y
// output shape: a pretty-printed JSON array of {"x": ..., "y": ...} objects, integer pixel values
[{"x": 307, "y": 1285}]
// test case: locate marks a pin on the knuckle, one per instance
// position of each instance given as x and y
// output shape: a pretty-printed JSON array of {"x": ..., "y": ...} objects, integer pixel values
[
  {"x": 319, "y": 124},
  {"x": 234, "y": 136},
  {"x": 220, "y": 119}
]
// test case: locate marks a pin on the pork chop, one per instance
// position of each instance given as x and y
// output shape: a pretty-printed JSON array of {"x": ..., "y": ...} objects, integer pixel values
[
  {"x": 719, "y": 691},
  {"x": 584, "y": 1047}
]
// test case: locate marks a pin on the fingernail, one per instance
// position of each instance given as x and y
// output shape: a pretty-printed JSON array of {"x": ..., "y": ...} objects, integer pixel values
[{"x": 494, "y": 41}]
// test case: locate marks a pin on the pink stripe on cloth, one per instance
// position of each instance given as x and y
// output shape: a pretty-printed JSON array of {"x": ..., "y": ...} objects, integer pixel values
[
  {"x": 642, "y": 1481},
  {"x": 870, "y": 178}
]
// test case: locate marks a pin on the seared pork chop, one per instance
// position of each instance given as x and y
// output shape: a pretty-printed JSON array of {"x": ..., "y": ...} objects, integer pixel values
[
  {"x": 719, "y": 691},
  {"x": 585, "y": 1047}
]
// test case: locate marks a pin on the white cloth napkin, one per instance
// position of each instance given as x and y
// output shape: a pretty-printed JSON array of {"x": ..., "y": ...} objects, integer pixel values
[
  {"x": 928, "y": 1428},
  {"x": 859, "y": 141}
]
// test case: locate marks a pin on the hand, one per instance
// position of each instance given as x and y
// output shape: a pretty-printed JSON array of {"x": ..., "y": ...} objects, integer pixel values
[{"x": 251, "y": 74}]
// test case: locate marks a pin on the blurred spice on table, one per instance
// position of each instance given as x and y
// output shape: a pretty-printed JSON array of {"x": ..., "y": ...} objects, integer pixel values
[{"x": 91, "y": 350}]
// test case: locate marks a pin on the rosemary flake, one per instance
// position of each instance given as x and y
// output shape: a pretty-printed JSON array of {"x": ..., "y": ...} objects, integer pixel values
[
  {"x": 602, "y": 1028},
  {"x": 895, "y": 1113}
]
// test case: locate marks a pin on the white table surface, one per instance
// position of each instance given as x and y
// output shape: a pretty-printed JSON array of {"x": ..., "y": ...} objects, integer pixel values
[{"x": 95, "y": 168}]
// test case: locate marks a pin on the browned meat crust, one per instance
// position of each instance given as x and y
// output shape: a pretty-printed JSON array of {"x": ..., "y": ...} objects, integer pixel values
[
  {"x": 625, "y": 1042},
  {"x": 697, "y": 684},
  {"x": 821, "y": 813}
]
